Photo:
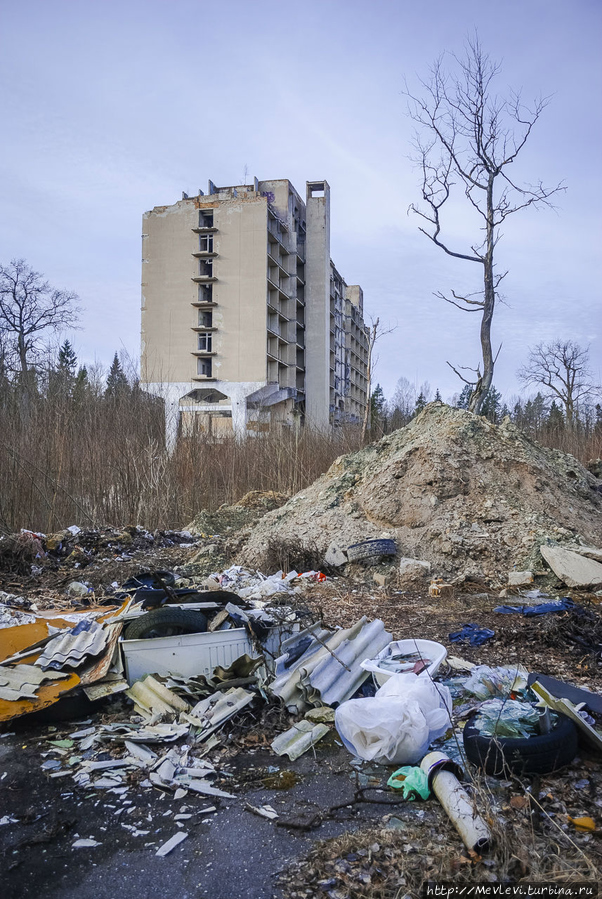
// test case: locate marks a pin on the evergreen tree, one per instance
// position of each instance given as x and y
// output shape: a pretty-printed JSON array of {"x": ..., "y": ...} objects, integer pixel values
[
  {"x": 61, "y": 379},
  {"x": 377, "y": 410},
  {"x": 492, "y": 404},
  {"x": 464, "y": 398},
  {"x": 81, "y": 386},
  {"x": 555, "y": 420},
  {"x": 420, "y": 403},
  {"x": 67, "y": 360},
  {"x": 438, "y": 396},
  {"x": 117, "y": 382}
]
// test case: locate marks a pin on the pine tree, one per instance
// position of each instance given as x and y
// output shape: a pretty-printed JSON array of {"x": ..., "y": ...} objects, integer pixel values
[
  {"x": 420, "y": 403},
  {"x": 555, "y": 420},
  {"x": 438, "y": 396},
  {"x": 67, "y": 360},
  {"x": 377, "y": 410},
  {"x": 117, "y": 383},
  {"x": 464, "y": 398},
  {"x": 491, "y": 405}
]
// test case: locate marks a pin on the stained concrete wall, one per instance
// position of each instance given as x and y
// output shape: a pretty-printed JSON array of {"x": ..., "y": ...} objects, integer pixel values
[{"x": 317, "y": 308}]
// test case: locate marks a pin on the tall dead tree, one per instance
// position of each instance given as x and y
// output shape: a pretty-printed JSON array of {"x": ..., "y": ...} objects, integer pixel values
[
  {"x": 30, "y": 309},
  {"x": 468, "y": 136}
]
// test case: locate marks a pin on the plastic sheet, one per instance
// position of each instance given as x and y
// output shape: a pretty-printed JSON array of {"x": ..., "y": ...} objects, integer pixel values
[
  {"x": 485, "y": 682},
  {"x": 413, "y": 782},
  {"x": 397, "y": 725},
  {"x": 507, "y": 718}
]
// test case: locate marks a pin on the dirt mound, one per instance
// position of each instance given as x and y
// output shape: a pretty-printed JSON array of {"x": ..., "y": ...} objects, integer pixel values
[
  {"x": 227, "y": 519},
  {"x": 451, "y": 488}
]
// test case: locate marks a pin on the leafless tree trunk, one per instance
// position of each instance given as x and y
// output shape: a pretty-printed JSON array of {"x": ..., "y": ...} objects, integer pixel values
[
  {"x": 30, "y": 308},
  {"x": 562, "y": 367},
  {"x": 467, "y": 138},
  {"x": 375, "y": 333}
]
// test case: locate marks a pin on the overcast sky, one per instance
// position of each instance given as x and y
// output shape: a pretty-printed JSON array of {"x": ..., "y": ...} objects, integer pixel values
[{"x": 110, "y": 108}]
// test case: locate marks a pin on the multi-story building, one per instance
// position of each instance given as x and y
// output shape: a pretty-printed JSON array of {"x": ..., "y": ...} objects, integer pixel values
[{"x": 246, "y": 323}]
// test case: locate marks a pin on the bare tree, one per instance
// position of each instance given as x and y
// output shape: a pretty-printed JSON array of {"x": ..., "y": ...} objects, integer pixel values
[
  {"x": 562, "y": 367},
  {"x": 375, "y": 332},
  {"x": 30, "y": 309},
  {"x": 468, "y": 137}
]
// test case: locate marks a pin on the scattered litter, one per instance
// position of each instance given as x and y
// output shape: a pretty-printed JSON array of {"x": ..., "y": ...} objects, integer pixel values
[
  {"x": 584, "y": 824},
  {"x": 264, "y": 811},
  {"x": 171, "y": 844},
  {"x": 485, "y": 682},
  {"x": 414, "y": 656},
  {"x": 412, "y": 781},
  {"x": 473, "y": 634},
  {"x": 397, "y": 725},
  {"x": 507, "y": 718},
  {"x": 442, "y": 776},
  {"x": 299, "y": 738},
  {"x": 85, "y": 844},
  {"x": 542, "y": 608}
]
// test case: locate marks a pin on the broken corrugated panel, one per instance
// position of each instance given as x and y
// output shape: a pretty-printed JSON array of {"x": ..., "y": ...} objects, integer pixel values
[
  {"x": 210, "y": 713},
  {"x": 151, "y": 697},
  {"x": 23, "y": 681},
  {"x": 332, "y": 673},
  {"x": 336, "y": 679},
  {"x": 87, "y": 638},
  {"x": 96, "y": 670},
  {"x": 299, "y": 738}
]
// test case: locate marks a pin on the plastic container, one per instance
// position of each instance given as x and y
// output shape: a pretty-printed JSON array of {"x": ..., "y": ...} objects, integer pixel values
[{"x": 429, "y": 650}]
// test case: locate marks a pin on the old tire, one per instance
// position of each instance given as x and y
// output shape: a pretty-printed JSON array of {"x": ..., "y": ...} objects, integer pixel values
[
  {"x": 166, "y": 623},
  {"x": 539, "y": 754},
  {"x": 371, "y": 550}
]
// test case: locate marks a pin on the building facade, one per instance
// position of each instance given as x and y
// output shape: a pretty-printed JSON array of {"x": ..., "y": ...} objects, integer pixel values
[{"x": 246, "y": 323}]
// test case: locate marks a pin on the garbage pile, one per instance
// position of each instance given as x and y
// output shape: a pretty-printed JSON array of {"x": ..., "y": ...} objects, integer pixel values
[
  {"x": 453, "y": 491},
  {"x": 180, "y": 684},
  {"x": 31, "y": 552}
]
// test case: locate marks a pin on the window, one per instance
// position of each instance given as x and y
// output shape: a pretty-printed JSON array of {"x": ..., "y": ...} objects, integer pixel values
[
  {"x": 205, "y": 293},
  {"x": 205, "y": 319},
  {"x": 205, "y": 341},
  {"x": 206, "y": 268},
  {"x": 203, "y": 367},
  {"x": 206, "y": 218},
  {"x": 206, "y": 243}
]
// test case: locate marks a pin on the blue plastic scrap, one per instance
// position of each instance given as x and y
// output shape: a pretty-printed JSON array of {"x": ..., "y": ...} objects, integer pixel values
[
  {"x": 542, "y": 608},
  {"x": 472, "y": 634}
]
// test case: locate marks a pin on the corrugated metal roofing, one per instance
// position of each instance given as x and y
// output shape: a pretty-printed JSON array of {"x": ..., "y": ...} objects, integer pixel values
[
  {"x": 299, "y": 738},
  {"x": 331, "y": 672},
  {"x": 87, "y": 638},
  {"x": 22, "y": 681}
]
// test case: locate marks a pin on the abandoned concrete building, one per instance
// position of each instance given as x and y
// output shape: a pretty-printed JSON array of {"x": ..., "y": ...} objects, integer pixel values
[{"x": 246, "y": 323}]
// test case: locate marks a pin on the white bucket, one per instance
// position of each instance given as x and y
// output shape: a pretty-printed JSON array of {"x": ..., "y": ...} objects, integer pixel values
[{"x": 434, "y": 653}]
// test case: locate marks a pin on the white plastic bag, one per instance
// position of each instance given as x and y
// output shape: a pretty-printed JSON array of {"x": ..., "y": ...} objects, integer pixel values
[{"x": 396, "y": 726}]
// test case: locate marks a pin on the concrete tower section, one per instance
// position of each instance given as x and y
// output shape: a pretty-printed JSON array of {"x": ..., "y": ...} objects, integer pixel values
[{"x": 317, "y": 305}]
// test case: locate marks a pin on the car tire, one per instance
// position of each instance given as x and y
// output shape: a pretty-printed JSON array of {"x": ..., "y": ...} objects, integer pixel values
[
  {"x": 166, "y": 623},
  {"x": 371, "y": 550},
  {"x": 539, "y": 754}
]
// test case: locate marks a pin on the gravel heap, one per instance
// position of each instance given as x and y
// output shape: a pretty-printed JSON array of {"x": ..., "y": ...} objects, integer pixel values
[{"x": 451, "y": 488}]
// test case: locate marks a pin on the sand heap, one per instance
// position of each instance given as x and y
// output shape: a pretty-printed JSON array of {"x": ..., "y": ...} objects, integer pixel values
[{"x": 451, "y": 488}]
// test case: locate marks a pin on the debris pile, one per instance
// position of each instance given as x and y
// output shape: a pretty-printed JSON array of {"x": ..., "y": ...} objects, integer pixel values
[{"x": 451, "y": 489}]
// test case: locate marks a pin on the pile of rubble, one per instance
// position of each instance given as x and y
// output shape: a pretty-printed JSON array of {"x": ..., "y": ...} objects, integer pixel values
[{"x": 452, "y": 490}]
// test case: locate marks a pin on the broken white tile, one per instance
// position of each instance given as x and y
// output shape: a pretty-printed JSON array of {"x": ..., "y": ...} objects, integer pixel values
[
  {"x": 167, "y": 847},
  {"x": 85, "y": 844}
]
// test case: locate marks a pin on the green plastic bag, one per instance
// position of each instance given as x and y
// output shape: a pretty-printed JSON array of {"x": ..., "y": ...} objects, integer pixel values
[{"x": 413, "y": 782}]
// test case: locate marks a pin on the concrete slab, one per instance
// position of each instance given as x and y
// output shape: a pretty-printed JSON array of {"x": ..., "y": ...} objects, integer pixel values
[{"x": 573, "y": 569}]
